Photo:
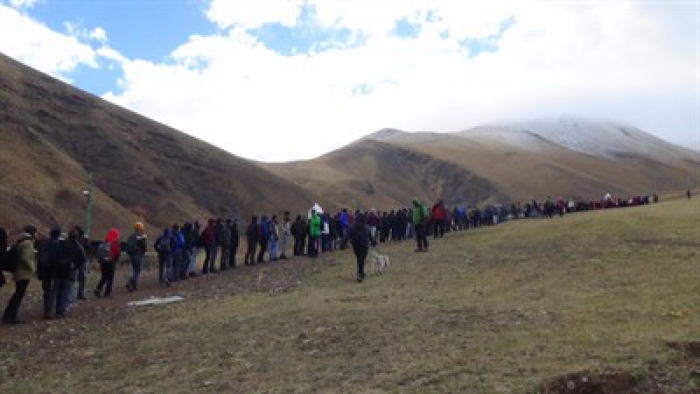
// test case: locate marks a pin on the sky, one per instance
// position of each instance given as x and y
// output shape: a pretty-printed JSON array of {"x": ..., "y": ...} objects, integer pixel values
[{"x": 279, "y": 80}]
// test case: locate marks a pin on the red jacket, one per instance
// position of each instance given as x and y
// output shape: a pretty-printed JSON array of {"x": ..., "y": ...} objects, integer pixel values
[
  {"x": 113, "y": 238},
  {"x": 438, "y": 211}
]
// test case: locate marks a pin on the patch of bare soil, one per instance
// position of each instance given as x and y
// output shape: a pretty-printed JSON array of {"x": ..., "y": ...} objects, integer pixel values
[
  {"x": 679, "y": 375},
  {"x": 591, "y": 383}
]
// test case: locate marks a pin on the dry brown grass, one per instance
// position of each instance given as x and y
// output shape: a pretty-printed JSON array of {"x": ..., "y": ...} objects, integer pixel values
[{"x": 498, "y": 310}]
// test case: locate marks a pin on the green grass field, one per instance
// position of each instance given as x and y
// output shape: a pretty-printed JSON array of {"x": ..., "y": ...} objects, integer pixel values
[{"x": 504, "y": 309}]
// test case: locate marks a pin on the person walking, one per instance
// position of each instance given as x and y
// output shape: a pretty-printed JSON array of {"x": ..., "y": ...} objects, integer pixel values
[
  {"x": 108, "y": 256},
  {"x": 252, "y": 234},
  {"x": 84, "y": 267},
  {"x": 70, "y": 256},
  {"x": 360, "y": 237},
  {"x": 25, "y": 271},
  {"x": 164, "y": 246},
  {"x": 420, "y": 219},
  {"x": 136, "y": 250}
]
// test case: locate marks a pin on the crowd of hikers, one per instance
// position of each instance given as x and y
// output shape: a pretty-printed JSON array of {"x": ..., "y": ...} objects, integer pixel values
[{"x": 64, "y": 259}]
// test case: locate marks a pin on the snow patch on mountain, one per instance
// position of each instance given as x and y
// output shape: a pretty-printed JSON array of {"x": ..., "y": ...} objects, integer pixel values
[{"x": 593, "y": 137}]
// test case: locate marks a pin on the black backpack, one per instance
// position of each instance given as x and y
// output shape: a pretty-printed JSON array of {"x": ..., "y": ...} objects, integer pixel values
[
  {"x": 45, "y": 260},
  {"x": 10, "y": 260}
]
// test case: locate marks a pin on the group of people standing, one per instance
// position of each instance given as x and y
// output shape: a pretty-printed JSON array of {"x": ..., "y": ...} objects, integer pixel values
[{"x": 63, "y": 260}]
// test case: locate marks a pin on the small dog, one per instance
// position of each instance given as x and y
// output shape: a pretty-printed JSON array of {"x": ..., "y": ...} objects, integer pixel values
[{"x": 380, "y": 262}]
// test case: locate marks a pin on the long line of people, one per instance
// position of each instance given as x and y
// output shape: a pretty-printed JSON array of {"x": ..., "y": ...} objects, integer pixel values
[{"x": 63, "y": 260}]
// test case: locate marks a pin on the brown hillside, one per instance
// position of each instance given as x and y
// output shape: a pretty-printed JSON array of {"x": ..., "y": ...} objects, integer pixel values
[
  {"x": 373, "y": 173},
  {"x": 388, "y": 167},
  {"x": 52, "y": 135}
]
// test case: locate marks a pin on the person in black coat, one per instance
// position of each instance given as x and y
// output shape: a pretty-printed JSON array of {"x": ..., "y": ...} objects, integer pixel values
[
  {"x": 252, "y": 234},
  {"x": 360, "y": 237}
]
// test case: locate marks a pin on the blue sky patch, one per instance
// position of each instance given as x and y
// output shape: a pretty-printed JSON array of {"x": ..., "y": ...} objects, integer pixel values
[
  {"x": 144, "y": 29},
  {"x": 488, "y": 44},
  {"x": 406, "y": 29},
  {"x": 98, "y": 81},
  {"x": 306, "y": 37}
]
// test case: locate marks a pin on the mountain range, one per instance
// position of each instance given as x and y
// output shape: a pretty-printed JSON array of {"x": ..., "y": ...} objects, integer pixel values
[{"x": 53, "y": 135}]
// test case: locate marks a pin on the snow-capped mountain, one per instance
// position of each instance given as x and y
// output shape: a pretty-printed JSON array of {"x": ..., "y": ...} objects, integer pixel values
[{"x": 593, "y": 137}]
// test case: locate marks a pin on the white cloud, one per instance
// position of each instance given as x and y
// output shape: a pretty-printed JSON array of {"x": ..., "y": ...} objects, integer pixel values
[
  {"x": 633, "y": 62},
  {"x": 40, "y": 47},
  {"x": 76, "y": 30},
  {"x": 619, "y": 60},
  {"x": 253, "y": 13}
]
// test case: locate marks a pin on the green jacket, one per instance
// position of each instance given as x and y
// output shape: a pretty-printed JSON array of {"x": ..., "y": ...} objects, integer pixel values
[
  {"x": 420, "y": 213},
  {"x": 315, "y": 225},
  {"x": 26, "y": 269}
]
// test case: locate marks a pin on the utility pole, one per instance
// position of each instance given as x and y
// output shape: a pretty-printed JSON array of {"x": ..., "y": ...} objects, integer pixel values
[{"x": 87, "y": 192}]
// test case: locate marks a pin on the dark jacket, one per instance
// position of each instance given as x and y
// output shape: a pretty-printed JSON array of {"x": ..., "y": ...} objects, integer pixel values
[
  {"x": 73, "y": 256},
  {"x": 209, "y": 236},
  {"x": 253, "y": 232},
  {"x": 234, "y": 235},
  {"x": 359, "y": 235}
]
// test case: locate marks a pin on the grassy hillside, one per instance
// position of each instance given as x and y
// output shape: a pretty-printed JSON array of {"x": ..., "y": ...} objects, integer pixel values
[
  {"x": 52, "y": 135},
  {"x": 608, "y": 298}
]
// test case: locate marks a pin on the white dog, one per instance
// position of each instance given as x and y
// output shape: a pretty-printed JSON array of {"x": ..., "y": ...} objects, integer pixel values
[{"x": 380, "y": 262}]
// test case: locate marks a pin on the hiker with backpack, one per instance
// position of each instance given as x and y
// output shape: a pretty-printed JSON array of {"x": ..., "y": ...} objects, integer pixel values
[
  {"x": 252, "y": 234},
  {"x": 21, "y": 261},
  {"x": 136, "y": 250},
  {"x": 360, "y": 236},
  {"x": 164, "y": 246},
  {"x": 108, "y": 255},
  {"x": 69, "y": 255},
  {"x": 420, "y": 219}
]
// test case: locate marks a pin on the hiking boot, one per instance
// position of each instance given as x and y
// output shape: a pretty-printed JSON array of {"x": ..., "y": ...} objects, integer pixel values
[
  {"x": 97, "y": 293},
  {"x": 129, "y": 287}
]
